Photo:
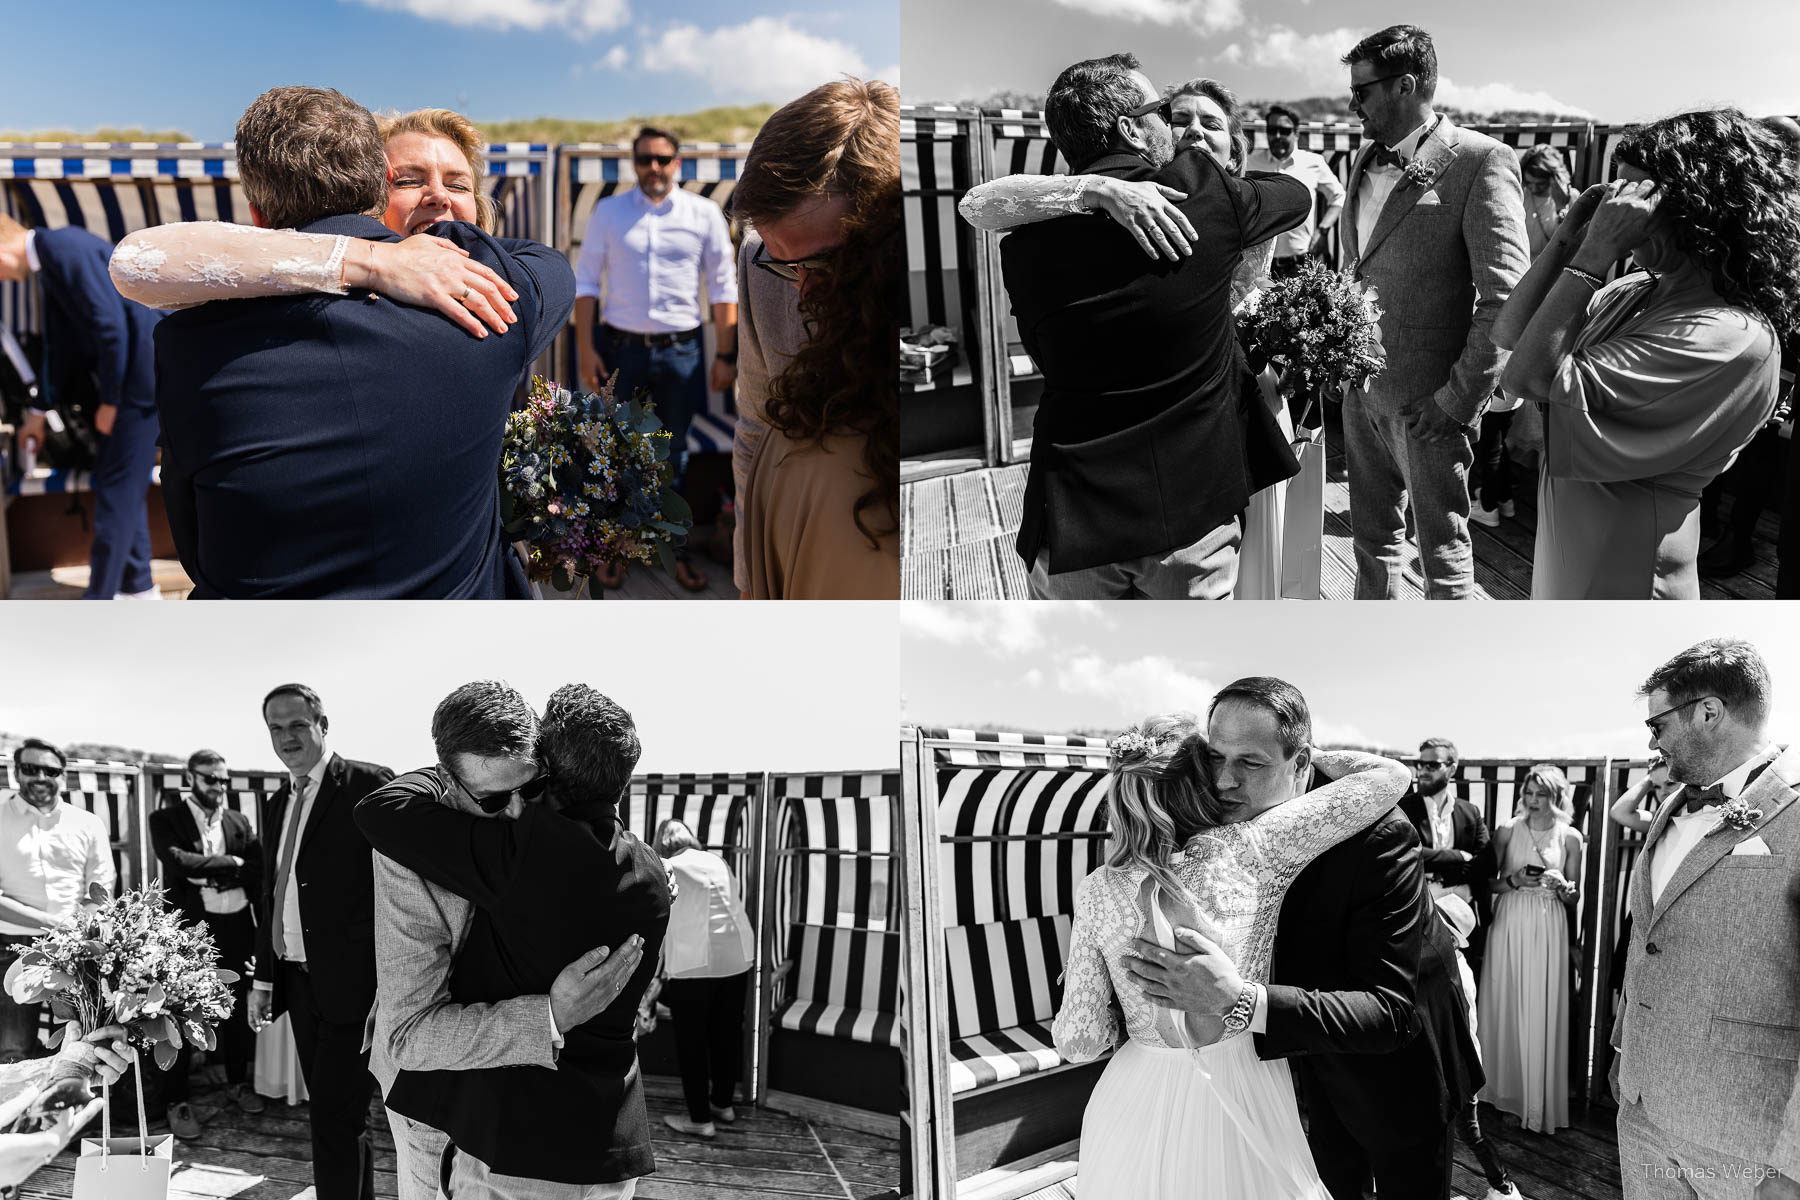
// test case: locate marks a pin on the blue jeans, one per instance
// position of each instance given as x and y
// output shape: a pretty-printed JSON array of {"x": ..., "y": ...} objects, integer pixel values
[{"x": 671, "y": 375}]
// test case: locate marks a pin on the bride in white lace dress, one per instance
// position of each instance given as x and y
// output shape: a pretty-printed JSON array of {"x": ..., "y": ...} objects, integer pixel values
[{"x": 1186, "y": 1108}]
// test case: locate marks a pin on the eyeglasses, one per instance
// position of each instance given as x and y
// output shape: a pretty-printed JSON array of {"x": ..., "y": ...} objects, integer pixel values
[
  {"x": 1359, "y": 90},
  {"x": 493, "y": 802},
  {"x": 1651, "y": 724},
  {"x": 39, "y": 771},
  {"x": 215, "y": 780},
  {"x": 1162, "y": 108},
  {"x": 790, "y": 268},
  {"x": 661, "y": 160},
  {"x": 1431, "y": 764}
]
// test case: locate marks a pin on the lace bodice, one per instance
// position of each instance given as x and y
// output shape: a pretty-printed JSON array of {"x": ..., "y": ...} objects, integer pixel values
[
  {"x": 1236, "y": 876},
  {"x": 190, "y": 262}
]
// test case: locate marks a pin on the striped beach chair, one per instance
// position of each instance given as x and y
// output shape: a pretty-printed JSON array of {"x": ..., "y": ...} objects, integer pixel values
[{"x": 588, "y": 172}]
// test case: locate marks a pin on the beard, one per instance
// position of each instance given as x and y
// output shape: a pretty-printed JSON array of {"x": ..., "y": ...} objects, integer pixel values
[{"x": 1159, "y": 144}]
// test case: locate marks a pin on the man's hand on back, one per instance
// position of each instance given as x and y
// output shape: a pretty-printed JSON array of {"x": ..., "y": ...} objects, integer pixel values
[{"x": 588, "y": 985}]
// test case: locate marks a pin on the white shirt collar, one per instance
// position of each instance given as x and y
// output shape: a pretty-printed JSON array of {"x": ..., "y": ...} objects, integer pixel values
[
  {"x": 317, "y": 774},
  {"x": 26, "y": 808},
  {"x": 1732, "y": 783},
  {"x": 202, "y": 818},
  {"x": 666, "y": 204},
  {"x": 1408, "y": 147},
  {"x": 31, "y": 254}
]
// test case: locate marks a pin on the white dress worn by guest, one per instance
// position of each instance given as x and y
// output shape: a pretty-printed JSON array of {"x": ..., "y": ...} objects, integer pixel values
[{"x": 1170, "y": 1117}]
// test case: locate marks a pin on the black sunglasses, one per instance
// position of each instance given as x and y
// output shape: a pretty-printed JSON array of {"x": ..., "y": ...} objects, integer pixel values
[
  {"x": 1654, "y": 724},
  {"x": 493, "y": 802},
  {"x": 790, "y": 268},
  {"x": 1431, "y": 764},
  {"x": 218, "y": 780},
  {"x": 1359, "y": 90},
  {"x": 39, "y": 771},
  {"x": 661, "y": 160},
  {"x": 1162, "y": 108}
]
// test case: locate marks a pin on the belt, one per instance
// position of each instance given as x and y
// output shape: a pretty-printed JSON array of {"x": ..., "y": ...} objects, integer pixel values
[{"x": 655, "y": 341}]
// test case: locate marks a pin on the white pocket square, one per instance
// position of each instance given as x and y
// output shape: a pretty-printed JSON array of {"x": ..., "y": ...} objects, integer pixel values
[{"x": 1751, "y": 846}]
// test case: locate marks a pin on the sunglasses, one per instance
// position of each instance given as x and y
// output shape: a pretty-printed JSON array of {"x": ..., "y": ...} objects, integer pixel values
[
  {"x": 215, "y": 780},
  {"x": 1162, "y": 108},
  {"x": 493, "y": 802},
  {"x": 39, "y": 771},
  {"x": 661, "y": 160},
  {"x": 790, "y": 268},
  {"x": 1359, "y": 90},
  {"x": 1654, "y": 723},
  {"x": 1430, "y": 764}
]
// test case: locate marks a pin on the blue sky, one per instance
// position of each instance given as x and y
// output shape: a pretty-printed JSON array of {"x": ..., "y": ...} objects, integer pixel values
[
  {"x": 1618, "y": 60},
  {"x": 712, "y": 687},
  {"x": 1501, "y": 680},
  {"x": 194, "y": 65}
]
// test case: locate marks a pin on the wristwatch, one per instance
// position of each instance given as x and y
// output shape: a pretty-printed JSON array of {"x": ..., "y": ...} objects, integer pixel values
[{"x": 1238, "y": 1019}]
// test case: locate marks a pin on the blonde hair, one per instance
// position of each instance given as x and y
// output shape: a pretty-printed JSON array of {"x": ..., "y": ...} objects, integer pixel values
[
  {"x": 459, "y": 131},
  {"x": 1561, "y": 791},
  {"x": 1160, "y": 795}
]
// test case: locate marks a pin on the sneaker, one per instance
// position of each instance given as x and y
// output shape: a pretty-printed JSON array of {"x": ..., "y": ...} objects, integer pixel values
[
  {"x": 724, "y": 1116},
  {"x": 183, "y": 1123},
  {"x": 700, "y": 1129},
  {"x": 1509, "y": 1192},
  {"x": 1481, "y": 514},
  {"x": 245, "y": 1097}
]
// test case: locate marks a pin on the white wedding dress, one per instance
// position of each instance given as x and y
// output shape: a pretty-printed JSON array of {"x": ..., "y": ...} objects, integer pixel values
[{"x": 1173, "y": 1117}]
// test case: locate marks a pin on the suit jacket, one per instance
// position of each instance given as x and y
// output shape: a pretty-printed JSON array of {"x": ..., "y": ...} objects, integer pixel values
[
  {"x": 337, "y": 892},
  {"x": 548, "y": 888},
  {"x": 1150, "y": 433},
  {"x": 1364, "y": 991},
  {"x": 88, "y": 326},
  {"x": 1443, "y": 864},
  {"x": 1708, "y": 1030},
  {"x": 186, "y": 865},
  {"x": 1443, "y": 258},
  {"x": 346, "y": 445},
  {"x": 419, "y": 930}
]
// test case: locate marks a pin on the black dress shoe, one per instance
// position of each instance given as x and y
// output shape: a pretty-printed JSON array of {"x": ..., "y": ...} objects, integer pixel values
[{"x": 1728, "y": 556}]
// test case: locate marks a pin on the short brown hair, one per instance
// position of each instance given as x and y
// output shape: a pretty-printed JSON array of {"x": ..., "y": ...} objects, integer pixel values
[
  {"x": 460, "y": 132},
  {"x": 486, "y": 719},
  {"x": 589, "y": 744},
  {"x": 841, "y": 138},
  {"x": 651, "y": 131},
  {"x": 304, "y": 153}
]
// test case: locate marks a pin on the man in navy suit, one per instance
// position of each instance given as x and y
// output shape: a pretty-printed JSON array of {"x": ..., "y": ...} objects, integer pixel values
[
  {"x": 325, "y": 445},
  {"x": 88, "y": 326}
]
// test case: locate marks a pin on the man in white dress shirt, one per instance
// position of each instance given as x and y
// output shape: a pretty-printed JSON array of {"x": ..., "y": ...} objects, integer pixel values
[
  {"x": 643, "y": 260},
  {"x": 50, "y": 854},
  {"x": 1708, "y": 1031},
  {"x": 1304, "y": 241}
]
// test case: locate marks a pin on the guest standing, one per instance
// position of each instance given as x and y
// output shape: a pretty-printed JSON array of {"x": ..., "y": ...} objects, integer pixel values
[
  {"x": 706, "y": 958},
  {"x": 1525, "y": 996},
  {"x": 1308, "y": 240},
  {"x": 1453, "y": 837},
  {"x": 1652, "y": 384}
]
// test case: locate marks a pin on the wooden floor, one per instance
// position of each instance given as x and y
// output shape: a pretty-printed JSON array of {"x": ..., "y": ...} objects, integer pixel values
[
  {"x": 1579, "y": 1163},
  {"x": 764, "y": 1156},
  {"x": 957, "y": 541}
]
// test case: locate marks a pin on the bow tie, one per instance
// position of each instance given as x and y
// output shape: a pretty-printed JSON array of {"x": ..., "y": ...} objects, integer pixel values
[
  {"x": 1386, "y": 156},
  {"x": 1706, "y": 797}
]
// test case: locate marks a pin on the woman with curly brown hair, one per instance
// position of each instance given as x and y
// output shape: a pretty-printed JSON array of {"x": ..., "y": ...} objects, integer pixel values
[
  {"x": 1652, "y": 384},
  {"x": 817, "y": 451}
]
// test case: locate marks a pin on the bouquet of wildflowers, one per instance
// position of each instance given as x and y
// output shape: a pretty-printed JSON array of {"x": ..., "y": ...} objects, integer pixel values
[
  {"x": 586, "y": 482},
  {"x": 129, "y": 961},
  {"x": 1318, "y": 327}
]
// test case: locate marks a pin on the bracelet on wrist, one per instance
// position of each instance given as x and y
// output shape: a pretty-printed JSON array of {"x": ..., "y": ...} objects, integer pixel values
[{"x": 1588, "y": 277}]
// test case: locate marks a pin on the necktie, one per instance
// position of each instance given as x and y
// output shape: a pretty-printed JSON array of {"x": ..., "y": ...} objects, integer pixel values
[
  {"x": 1386, "y": 156},
  {"x": 284, "y": 877}
]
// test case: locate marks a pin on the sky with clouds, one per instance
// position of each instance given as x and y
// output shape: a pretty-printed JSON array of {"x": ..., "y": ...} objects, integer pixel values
[
  {"x": 195, "y": 64},
  {"x": 1613, "y": 60},
  {"x": 1509, "y": 680},
  {"x": 712, "y": 687}
]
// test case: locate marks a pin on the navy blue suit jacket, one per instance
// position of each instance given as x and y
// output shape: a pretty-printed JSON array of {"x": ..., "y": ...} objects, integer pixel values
[
  {"x": 349, "y": 446},
  {"x": 88, "y": 326}
]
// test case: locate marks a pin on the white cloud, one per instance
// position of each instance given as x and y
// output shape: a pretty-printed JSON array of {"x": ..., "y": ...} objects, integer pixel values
[
  {"x": 1211, "y": 15},
  {"x": 579, "y": 17},
  {"x": 766, "y": 58},
  {"x": 1009, "y": 629},
  {"x": 615, "y": 59},
  {"x": 1232, "y": 54},
  {"x": 1312, "y": 56},
  {"x": 1135, "y": 687},
  {"x": 888, "y": 75},
  {"x": 1500, "y": 97}
]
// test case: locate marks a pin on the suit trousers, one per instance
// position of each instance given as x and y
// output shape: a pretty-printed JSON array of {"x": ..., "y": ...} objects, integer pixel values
[
  {"x": 1388, "y": 466},
  {"x": 18, "y": 1022},
  {"x": 1787, "y": 581},
  {"x": 120, "y": 558},
  {"x": 1655, "y": 1164},
  {"x": 470, "y": 1179},
  {"x": 235, "y": 936},
  {"x": 1206, "y": 570},
  {"x": 336, "y": 1069},
  {"x": 709, "y": 1039},
  {"x": 418, "y": 1156},
  {"x": 1418, "y": 1170}
]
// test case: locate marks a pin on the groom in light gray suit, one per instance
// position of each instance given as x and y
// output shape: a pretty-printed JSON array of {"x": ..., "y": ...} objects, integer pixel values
[
  {"x": 1435, "y": 221},
  {"x": 485, "y": 735},
  {"x": 1708, "y": 1031}
]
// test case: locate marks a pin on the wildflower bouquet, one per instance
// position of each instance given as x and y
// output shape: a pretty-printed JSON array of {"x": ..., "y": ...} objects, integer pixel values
[
  {"x": 1318, "y": 327},
  {"x": 129, "y": 961},
  {"x": 586, "y": 482}
]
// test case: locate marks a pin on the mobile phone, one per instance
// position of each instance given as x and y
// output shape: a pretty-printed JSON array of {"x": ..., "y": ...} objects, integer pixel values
[{"x": 1534, "y": 871}]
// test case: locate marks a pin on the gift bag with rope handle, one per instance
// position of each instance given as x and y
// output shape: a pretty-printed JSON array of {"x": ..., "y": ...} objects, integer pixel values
[
  {"x": 1303, "y": 522},
  {"x": 124, "y": 1168}
]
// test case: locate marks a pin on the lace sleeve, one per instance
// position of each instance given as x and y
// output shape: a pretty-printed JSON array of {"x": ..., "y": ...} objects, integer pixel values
[
  {"x": 1023, "y": 199},
  {"x": 1087, "y": 1025},
  {"x": 1293, "y": 834},
  {"x": 190, "y": 262}
]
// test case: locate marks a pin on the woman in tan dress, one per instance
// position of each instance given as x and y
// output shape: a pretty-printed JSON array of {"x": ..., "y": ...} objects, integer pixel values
[{"x": 1652, "y": 384}]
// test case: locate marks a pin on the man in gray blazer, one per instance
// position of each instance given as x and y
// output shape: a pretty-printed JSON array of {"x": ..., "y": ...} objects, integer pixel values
[
  {"x": 1708, "y": 1031},
  {"x": 1435, "y": 222},
  {"x": 485, "y": 735}
]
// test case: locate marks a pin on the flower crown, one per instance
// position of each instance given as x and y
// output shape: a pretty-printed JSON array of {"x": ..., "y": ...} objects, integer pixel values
[{"x": 1132, "y": 744}]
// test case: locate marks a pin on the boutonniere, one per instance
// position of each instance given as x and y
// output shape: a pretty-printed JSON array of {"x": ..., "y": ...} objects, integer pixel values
[
  {"x": 1735, "y": 814},
  {"x": 1416, "y": 173}
]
